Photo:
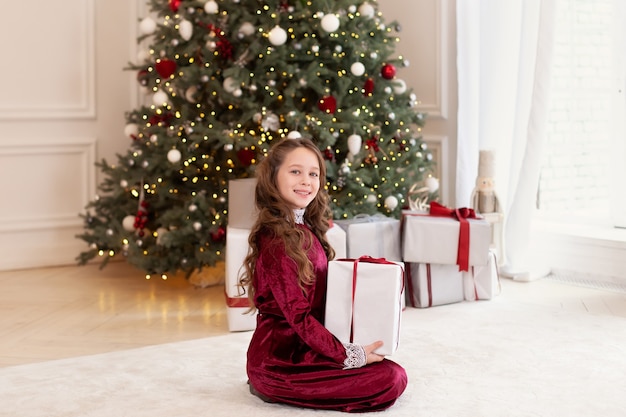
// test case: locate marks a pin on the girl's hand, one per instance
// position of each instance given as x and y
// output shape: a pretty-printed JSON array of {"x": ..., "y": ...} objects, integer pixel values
[{"x": 369, "y": 352}]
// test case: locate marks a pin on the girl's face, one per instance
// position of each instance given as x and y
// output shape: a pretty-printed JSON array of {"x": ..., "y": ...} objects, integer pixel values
[{"x": 298, "y": 178}]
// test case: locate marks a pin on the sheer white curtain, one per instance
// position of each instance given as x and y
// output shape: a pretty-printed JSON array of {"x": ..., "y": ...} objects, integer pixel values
[{"x": 503, "y": 62}]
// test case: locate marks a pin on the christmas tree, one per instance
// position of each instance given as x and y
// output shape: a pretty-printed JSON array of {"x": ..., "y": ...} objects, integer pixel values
[{"x": 223, "y": 80}]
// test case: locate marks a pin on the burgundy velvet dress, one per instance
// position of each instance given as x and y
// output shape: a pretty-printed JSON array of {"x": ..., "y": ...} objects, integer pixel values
[{"x": 292, "y": 358}]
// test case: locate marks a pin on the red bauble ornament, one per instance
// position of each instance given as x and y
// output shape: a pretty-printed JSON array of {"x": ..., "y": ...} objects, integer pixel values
[
  {"x": 246, "y": 156},
  {"x": 165, "y": 67},
  {"x": 388, "y": 71},
  {"x": 219, "y": 235},
  {"x": 142, "y": 77},
  {"x": 327, "y": 104},
  {"x": 174, "y": 5},
  {"x": 154, "y": 120},
  {"x": 368, "y": 87}
]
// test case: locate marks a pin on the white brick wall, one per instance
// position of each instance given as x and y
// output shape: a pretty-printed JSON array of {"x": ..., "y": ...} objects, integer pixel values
[{"x": 576, "y": 163}]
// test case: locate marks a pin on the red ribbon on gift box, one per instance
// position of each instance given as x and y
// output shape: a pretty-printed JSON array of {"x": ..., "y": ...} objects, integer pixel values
[
  {"x": 411, "y": 289},
  {"x": 461, "y": 214},
  {"x": 236, "y": 302}
]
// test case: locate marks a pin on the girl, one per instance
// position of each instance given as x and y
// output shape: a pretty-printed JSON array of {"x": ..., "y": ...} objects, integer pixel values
[{"x": 292, "y": 357}]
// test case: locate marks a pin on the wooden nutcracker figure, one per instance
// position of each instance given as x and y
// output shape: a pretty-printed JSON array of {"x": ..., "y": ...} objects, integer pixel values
[{"x": 485, "y": 200}]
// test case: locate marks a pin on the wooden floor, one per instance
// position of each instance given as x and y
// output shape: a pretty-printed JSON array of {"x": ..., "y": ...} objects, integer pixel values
[{"x": 61, "y": 312}]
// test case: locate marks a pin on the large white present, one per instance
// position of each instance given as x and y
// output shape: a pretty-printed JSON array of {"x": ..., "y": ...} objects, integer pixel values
[
  {"x": 377, "y": 236},
  {"x": 237, "y": 303},
  {"x": 431, "y": 285},
  {"x": 336, "y": 237},
  {"x": 242, "y": 210},
  {"x": 364, "y": 301},
  {"x": 434, "y": 239},
  {"x": 482, "y": 282}
]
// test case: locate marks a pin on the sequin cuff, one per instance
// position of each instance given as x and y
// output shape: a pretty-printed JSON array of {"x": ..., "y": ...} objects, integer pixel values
[{"x": 356, "y": 357}]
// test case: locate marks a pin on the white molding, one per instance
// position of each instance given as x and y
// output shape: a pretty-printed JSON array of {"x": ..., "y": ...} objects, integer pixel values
[
  {"x": 136, "y": 14},
  {"x": 439, "y": 109},
  {"x": 85, "y": 148},
  {"x": 86, "y": 107},
  {"x": 597, "y": 258},
  {"x": 441, "y": 144}
]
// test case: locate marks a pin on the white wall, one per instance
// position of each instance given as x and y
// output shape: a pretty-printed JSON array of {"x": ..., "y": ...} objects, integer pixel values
[
  {"x": 428, "y": 41},
  {"x": 61, "y": 109},
  {"x": 65, "y": 93}
]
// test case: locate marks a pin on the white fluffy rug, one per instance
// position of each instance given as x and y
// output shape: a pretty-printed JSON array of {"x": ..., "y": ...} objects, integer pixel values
[{"x": 480, "y": 359}]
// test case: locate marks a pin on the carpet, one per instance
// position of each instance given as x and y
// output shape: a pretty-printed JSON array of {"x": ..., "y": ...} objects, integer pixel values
[{"x": 478, "y": 359}]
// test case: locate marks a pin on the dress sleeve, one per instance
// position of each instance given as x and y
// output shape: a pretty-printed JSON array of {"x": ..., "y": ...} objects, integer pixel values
[{"x": 279, "y": 274}]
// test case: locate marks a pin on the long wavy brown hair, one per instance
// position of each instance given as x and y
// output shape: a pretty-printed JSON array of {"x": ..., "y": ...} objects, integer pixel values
[{"x": 276, "y": 217}]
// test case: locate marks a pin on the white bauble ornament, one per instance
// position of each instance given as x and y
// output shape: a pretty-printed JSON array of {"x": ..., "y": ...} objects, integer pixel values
[
  {"x": 354, "y": 144},
  {"x": 128, "y": 223},
  {"x": 371, "y": 198},
  {"x": 277, "y": 36},
  {"x": 228, "y": 147},
  {"x": 357, "y": 69},
  {"x": 174, "y": 156},
  {"x": 131, "y": 130},
  {"x": 123, "y": 183},
  {"x": 154, "y": 138},
  {"x": 211, "y": 7},
  {"x": 432, "y": 184},
  {"x": 160, "y": 98},
  {"x": 185, "y": 29},
  {"x": 330, "y": 23},
  {"x": 238, "y": 92},
  {"x": 147, "y": 26},
  {"x": 197, "y": 226},
  {"x": 399, "y": 87},
  {"x": 246, "y": 29},
  {"x": 230, "y": 84},
  {"x": 294, "y": 134},
  {"x": 192, "y": 207},
  {"x": 271, "y": 122},
  {"x": 161, "y": 232},
  {"x": 391, "y": 202},
  {"x": 367, "y": 10}
]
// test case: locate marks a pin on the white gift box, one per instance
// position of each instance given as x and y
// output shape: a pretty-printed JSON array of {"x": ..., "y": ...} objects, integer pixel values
[
  {"x": 242, "y": 211},
  {"x": 376, "y": 236},
  {"x": 435, "y": 240},
  {"x": 374, "y": 312},
  {"x": 236, "y": 301},
  {"x": 337, "y": 238},
  {"x": 482, "y": 282},
  {"x": 431, "y": 285}
]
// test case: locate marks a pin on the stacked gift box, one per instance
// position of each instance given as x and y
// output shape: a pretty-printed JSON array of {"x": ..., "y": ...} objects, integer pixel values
[
  {"x": 241, "y": 217},
  {"x": 448, "y": 257},
  {"x": 365, "y": 294}
]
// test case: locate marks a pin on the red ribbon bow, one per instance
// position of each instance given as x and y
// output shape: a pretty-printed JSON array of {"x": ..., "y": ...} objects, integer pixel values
[{"x": 461, "y": 214}]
